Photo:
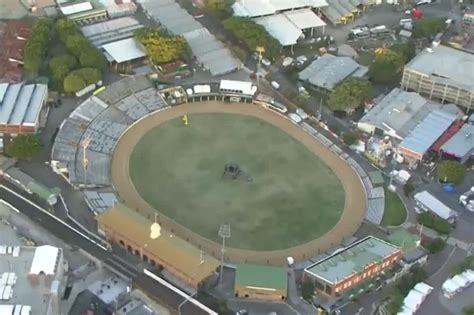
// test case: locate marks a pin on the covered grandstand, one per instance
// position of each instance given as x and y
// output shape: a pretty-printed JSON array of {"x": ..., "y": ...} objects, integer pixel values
[
  {"x": 209, "y": 52},
  {"x": 95, "y": 126}
]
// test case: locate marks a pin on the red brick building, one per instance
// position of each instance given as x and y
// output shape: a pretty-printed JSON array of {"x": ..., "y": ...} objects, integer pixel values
[{"x": 355, "y": 264}]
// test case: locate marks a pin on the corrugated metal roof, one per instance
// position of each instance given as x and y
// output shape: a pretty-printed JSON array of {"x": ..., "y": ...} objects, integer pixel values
[
  {"x": 21, "y": 105},
  {"x": 422, "y": 137},
  {"x": 9, "y": 102},
  {"x": 3, "y": 91},
  {"x": 461, "y": 143},
  {"x": 76, "y": 8},
  {"x": 304, "y": 18},
  {"x": 36, "y": 103},
  {"x": 124, "y": 50},
  {"x": 281, "y": 28}
]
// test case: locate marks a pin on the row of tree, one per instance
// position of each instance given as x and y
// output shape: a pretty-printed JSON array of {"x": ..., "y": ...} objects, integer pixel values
[
  {"x": 81, "y": 66},
  {"x": 36, "y": 45},
  {"x": 162, "y": 48},
  {"x": 253, "y": 35}
]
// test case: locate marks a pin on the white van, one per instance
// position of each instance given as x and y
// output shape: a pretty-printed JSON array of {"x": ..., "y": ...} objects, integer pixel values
[{"x": 275, "y": 85}]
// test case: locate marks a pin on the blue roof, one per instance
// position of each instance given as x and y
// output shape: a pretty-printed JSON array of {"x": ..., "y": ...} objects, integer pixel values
[
  {"x": 425, "y": 134},
  {"x": 37, "y": 100},
  {"x": 21, "y": 105},
  {"x": 9, "y": 102}
]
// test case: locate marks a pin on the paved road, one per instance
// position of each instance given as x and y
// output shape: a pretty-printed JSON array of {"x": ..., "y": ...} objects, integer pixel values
[{"x": 151, "y": 287}]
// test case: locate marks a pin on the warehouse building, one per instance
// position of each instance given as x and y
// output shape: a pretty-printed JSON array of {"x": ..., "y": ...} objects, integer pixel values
[
  {"x": 21, "y": 107},
  {"x": 185, "y": 264},
  {"x": 442, "y": 73},
  {"x": 326, "y": 72},
  {"x": 461, "y": 145},
  {"x": 398, "y": 113},
  {"x": 261, "y": 282},
  {"x": 354, "y": 265}
]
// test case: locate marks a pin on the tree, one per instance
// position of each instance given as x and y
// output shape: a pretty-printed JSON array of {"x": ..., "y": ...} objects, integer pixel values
[
  {"x": 467, "y": 263},
  {"x": 162, "y": 48},
  {"x": 65, "y": 28},
  {"x": 387, "y": 66},
  {"x": 221, "y": 8},
  {"x": 350, "y": 138},
  {"x": 61, "y": 65},
  {"x": 468, "y": 310},
  {"x": 89, "y": 75},
  {"x": 428, "y": 27},
  {"x": 409, "y": 187},
  {"x": 408, "y": 50},
  {"x": 253, "y": 35},
  {"x": 35, "y": 47},
  {"x": 429, "y": 220},
  {"x": 92, "y": 58},
  {"x": 24, "y": 147},
  {"x": 76, "y": 44},
  {"x": 73, "y": 83},
  {"x": 307, "y": 290},
  {"x": 350, "y": 94},
  {"x": 452, "y": 172},
  {"x": 436, "y": 245}
]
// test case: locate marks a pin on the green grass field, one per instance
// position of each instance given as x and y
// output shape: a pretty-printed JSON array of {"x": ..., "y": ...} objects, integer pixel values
[
  {"x": 395, "y": 212},
  {"x": 293, "y": 197}
]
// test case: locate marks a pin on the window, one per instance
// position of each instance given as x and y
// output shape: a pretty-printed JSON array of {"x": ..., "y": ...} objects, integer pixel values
[
  {"x": 349, "y": 283},
  {"x": 364, "y": 275}
]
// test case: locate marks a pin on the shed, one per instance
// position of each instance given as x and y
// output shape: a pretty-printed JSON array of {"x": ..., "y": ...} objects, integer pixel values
[
  {"x": 261, "y": 282},
  {"x": 125, "y": 50}
]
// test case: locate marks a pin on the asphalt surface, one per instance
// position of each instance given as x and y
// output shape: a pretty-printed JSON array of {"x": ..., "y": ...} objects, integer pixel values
[{"x": 73, "y": 238}]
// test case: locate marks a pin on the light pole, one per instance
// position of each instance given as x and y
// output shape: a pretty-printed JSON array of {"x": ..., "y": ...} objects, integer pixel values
[
  {"x": 260, "y": 50},
  {"x": 224, "y": 232},
  {"x": 184, "y": 302}
]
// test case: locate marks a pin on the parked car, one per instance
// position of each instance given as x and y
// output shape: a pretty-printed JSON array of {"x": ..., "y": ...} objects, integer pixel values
[
  {"x": 266, "y": 62},
  {"x": 275, "y": 85},
  {"x": 287, "y": 61},
  {"x": 423, "y": 2}
]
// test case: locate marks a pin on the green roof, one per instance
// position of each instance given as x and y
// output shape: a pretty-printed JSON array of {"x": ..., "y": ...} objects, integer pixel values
[
  {"x": 261, "y": 276},
  {"x": 40, "y": 190},
  {"x": 403, "y": 239},
  {"x": 376, "y": 178},
  {"x": 351, "y": 259}
]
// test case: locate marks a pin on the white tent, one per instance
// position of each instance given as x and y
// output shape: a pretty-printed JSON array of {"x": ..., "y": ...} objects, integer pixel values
[
  {"x": 413, "y": 300},
  {"x": 450, "y": 288},
  {"x": 44, "y": 260},
  {"x": 423, "y": 288}
]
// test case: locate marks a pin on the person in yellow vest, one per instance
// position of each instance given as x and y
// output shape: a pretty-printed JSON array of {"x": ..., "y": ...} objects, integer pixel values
[{"x": 185, "y": 120}]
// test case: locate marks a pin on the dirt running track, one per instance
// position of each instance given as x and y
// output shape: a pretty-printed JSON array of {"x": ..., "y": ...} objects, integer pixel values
[{"x": 355, "y": 198}]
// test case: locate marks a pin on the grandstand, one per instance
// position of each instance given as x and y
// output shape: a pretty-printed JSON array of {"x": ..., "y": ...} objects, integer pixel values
[{"x": 96, "y": 125}]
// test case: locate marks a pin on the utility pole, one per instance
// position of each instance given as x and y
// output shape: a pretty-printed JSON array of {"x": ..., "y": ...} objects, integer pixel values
[
  {"x": 85, "y": 161},
  {"x": 224, "y": 232}
]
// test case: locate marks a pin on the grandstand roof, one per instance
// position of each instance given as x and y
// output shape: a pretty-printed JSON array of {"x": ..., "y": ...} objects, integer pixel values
[
  {"x": 124, "y": 50},
  {"x": 328, "y": 71},
  {"x": 111, "y": 30},
  {"x": 21, "y": 104},
  {"x": 254, "y": 8},
  {"x": 281, "y": 28},
  {"x": 304, "y": 18},
  {"x": 351, "y": 259},
  {"x": 176, "y": 252}
]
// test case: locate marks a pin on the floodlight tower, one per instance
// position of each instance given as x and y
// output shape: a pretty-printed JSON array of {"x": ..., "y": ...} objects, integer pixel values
[
  {"x": 85, "y": 161},
  {"x": 224, "y": 232},
  {"x": 260, "y": 50}
]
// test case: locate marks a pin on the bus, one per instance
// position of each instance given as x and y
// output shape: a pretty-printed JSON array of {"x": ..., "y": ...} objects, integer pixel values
[
  {"x": 380, "y": 31},
  {"x": 360, "y": 33},
  {"x": 237, "y": 87}
]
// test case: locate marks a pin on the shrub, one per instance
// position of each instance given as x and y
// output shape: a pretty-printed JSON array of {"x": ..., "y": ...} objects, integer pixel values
[
  {"x": 436, "y": 245},
  {"x": 350, "y": 138},
  {"x": 73, "y": 83},
  {"x": 439, "y": 225},
  {"x": 467, "y": 263}
]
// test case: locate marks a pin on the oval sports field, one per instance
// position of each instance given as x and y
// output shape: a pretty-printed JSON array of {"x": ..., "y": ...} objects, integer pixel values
[{"x": 293, "y": 196}]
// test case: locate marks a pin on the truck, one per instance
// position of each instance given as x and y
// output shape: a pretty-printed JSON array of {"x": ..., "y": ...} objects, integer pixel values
[{"x": 427, "y": 202}]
